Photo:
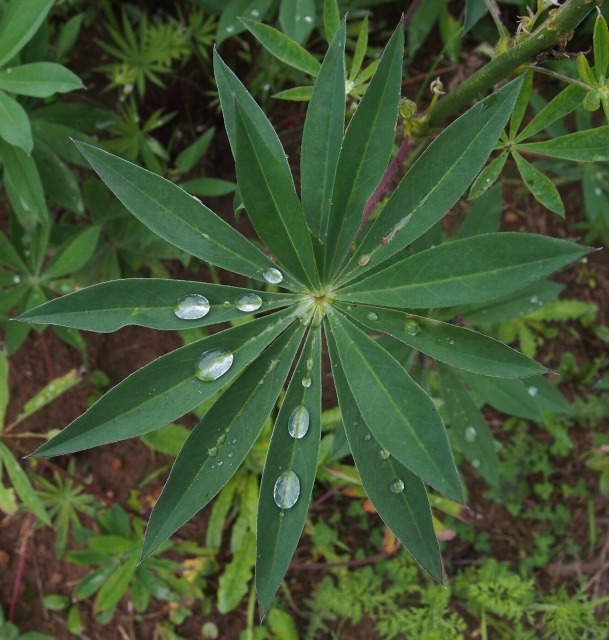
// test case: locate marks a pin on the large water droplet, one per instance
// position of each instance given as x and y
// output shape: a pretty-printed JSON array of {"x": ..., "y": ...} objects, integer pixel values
[
  {"x": 476, "y": 463},
  {"x": 412, "y": 327},
  {"x": 533, "y": 391},
  {"x": 298, "y": 423},
  {"x": 192, "y": 307},
  {"x": 363, "y": 260},
  {"x": 367, "y": 436},
  {"x": 372, "y": 316},
  {"x": 383, "y": 454},
  {"x": 397, "y": 486},
  {"x": 249, "y": 302},
  {"x": 470, "y": 434},
  {"x": 287, "y": 490},
  {"x": 213, "y": 364},
  {"x": 213, "y": 452},
  {"x": 306, "y": 382},
  {"x": 273, "y": 276}
]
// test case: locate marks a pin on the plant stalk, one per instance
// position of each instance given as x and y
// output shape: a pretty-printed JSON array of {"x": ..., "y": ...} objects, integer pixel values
[{"x": 557, "y": 27}]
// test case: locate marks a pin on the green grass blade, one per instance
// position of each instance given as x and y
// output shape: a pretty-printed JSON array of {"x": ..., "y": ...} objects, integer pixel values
[
  {"x": 365, "y": 152},
  {"x": 465, "y": 271},
  {"x": 436, "y": 180},
  {"x": 268, "y": 193},
  {"x": 165, "y": 389},
  {"x": 177, "y": 217},
  {"x": 280, "y": 529},
  {"x": 457, "y": 346},
  {"x": 323, "y": 135},
  {"x": 400, "y": 415},
  {"x": 147, "y": 302},
  {"x": 407, "y": 512},
  {"x": 472, "y": 435},
  {"x": 219, "y": 443}
]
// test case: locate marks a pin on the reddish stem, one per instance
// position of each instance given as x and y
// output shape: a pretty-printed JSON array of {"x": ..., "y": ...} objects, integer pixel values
[{"x": 25, "y": 535}]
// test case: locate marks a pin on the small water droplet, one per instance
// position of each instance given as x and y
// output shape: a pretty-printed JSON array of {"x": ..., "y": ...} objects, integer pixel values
[
  {"x": 234, "y": 441},
  {"x": 255, "y": 13},
  {"x": 451, "y": 342},
  {"x": 367, "y": 436},
  {"x": 220, "y": 463},
  {"x": 533, "y": 391},
  {"x": 213, "y": 452},
  {"x": 222, "y": 439},
  {"x": 306, "y": 382},
  {"x": 598, "y": 191},
  {"x": 534, "y": 300},
  {"x": 230, "y": 28},
  {"x": 470, "y": 434},
  {"x": 308, "y": 18},
  {"x": 412, "y": 327},
  {"x": 273, "y": 276},
  {"x": 192, "y": 307},
  {"x": 16, "y": 279},
  {"x": 363, "y": 260},
  {"x": 230, "y": 454},
  {"x": 287, "y": 490},
  {"x": 383, "y": 454},
  {"x": 475, "y": 463},
  {"x": 397, "y": 486},
  {"x": 213, "y": 364},
  {"x": 310, "y": 364},
  {"x": 249, "y": 302},
  {"x": 298, "y": 423},
  {"x": 226, "y": 304},
  {"x": 372, "y": 316}
]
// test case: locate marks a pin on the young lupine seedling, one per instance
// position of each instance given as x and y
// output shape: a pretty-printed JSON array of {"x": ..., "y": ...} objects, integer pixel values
[{"x": 330, "y": 292}]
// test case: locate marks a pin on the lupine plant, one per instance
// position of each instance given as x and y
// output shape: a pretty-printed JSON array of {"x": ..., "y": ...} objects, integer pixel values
[{"x": 342, "y": 281}]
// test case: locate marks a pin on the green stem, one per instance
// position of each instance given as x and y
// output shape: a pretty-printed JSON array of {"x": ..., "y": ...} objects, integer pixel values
[
  {"x": 560, "y": 76},
  {"x": 558, "y": 26}
]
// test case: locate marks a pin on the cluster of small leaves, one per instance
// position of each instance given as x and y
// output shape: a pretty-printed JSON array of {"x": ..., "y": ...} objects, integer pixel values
[{"x": 393, "y": 427}]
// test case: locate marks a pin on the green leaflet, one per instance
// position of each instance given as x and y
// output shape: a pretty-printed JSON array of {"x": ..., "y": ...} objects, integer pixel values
[
  {"x": 279, "y": 529},
  {"x": 591, "y": 145},
  {"x": 488, "y": 176},
  {"x": 465, "y": 271},
  {"x": 539, "y": 185},
  {"x": 457, "y": 346},
  {"x": 165, "y": 389},
  {"x": 323, "y": 136},
  {"x": 297, "y": 18},
  {"x": 219, "y": 443},
  {"x": 400, "y": 415},
  {"x": 39, "y": 79},
  {"x": 177, "y": 217},
  {"x": 147, "y": 302},
  {"x": 403, "y": 507},
  {"x": 20, "y": 21},
  {"x": 436, "y": 181},
  {"x": 365, "y": 152},
  {"x": 14, "y": 124},
  {"x": 268, "y": 193}
]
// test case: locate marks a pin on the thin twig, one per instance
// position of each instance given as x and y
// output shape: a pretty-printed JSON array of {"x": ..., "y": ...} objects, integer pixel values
[
  {"x": 25, "y": 534},
  {"x": 323, "y": 566}
]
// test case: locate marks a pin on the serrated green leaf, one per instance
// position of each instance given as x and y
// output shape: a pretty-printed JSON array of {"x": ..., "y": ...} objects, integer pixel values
[
  {"x": 406, "y": 512},
  {"x": 365, "y": 153},
  {"x": 539, "y": 185},
  {"x": 74, "y": 254},
  {"x": 582, "y": 146},
  {"x": 233, "y": 583},
  {"x": 115, "y": 586},
  {"x": 165, "y": 389},
  {"x": 323, "y": 136},
  {"x": 269, "y": 196},
  {"x": 331, "y": 19},
  {"x": 280, "y": 529},
  {"x": 400, "y": 415},
  {"x": 465, "y": 271},
  {"x": 565, "y": 102},
  {"x": 39, "y": 79},
  {"x": 472, "y": 435},
  {"x": 14, "y": 124},
  {"x": 219, "y": 443},
  {"x": 488, "y": 176},
  {"x": 248, "y": 505},
  {"x": 177, "y": 217},
  {"x": 147, "y": 302},
  {"x": 20, "y": 21},
  {"x": 436, "y": 181},
  {"x": 297, "y": 18},
  {"x": 600, "y": 41},
  {"x": 457, "y": 346}
]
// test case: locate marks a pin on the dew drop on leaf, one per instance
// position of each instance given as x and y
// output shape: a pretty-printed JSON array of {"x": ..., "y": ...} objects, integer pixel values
[
  {"x": 363, "y": 260},
  {"x": 383, "y": 454},
  {"x": 306, "y": 382},
  {"x": 213, "y": 452},
  {"x": 287, "y": 490},
  {"x": 310, "y": 364},
  {"x": 249, "y": 302},
  {"x": 367, "y": 437},
  {"x": 372, "y": 316},
  {"x": 397, "y": 486},
  {"x": 192, "y": 307},
  {"x": 226, "y": 304},
  {"x": 470, "y": 434},
  {"x": 412, "y": 327},
  {"x": 475, "y": 463},
  {"x": 298, "y": 423},
  {"x": 273, "y": 276},
  {"x": 533, "y": 391},
  {"x": 213, "y": 364}
]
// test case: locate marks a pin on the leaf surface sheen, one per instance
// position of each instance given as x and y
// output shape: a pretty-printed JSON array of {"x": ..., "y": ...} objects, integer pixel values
[{"x": 401, "y": 416}]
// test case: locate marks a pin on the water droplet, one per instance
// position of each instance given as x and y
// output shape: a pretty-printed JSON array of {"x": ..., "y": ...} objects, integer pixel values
[
  {"x": 213, "y": 452},
  {"x": 363, "y": 260},
  {"x": 367, "y": 436},
  {"x": 308, "y": 18},
  {"x": 249, "y": 302},
  {"x": 451, "y": 342},
  {"x": 412, "y": 327},
  {"x": 383, "y": 454},
  {"x": 213, "y": 364},
  {"x": 222, "y": 439},
  {"x": 372, "y": 316},
  {"x": 230, "y": 28},
  {"x": 273, "y": 364},
  {"x": 533, "y": 391},
  {"x": 16, "y": 279},
  {"x": 598, "y": 191},
  {"x": 192, "y": 307},
  {"x": 287, "y": 490},
  {"x": 273, "y": 276},
  {"x": 310, "y": 364},
  {"x": 255, "y": 13},
  {"x": 470, "y": 434},
  {"x": 306, "y": 382},
  {"x": 220, "y": 463},
  {"x": 298, "y": 423},
  {"x": 534, "y": 300},
  {"x": 397, "y": 486},
  {"x": 226, "y": 304},
  {"x": 230, "y": 455},
  {"x": 475, "y": 463}
]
